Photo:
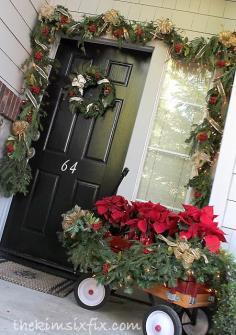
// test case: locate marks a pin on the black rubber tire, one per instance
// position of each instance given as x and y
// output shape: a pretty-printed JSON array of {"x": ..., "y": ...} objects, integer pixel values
[
  {"x": 171, "y": 313},
  {"x": 191, "y": 330},
  {"x": 81, "y": 303}
]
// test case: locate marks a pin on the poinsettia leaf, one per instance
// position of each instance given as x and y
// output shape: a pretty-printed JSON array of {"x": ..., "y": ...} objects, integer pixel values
[
  {"x": 142, "y": 226},
  {"x": 160, "y": 227},
  {"x": 212, "y": 243}
]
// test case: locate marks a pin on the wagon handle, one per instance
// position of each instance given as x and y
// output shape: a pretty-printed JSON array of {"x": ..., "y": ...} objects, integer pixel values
[{"x": 122, "y": 176}]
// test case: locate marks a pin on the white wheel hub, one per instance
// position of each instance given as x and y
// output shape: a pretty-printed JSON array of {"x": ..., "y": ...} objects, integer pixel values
[
  {"x": 201, "y": 326},
  {"x": 159, "y": 323},
  {"x": 90, "y": 292}
]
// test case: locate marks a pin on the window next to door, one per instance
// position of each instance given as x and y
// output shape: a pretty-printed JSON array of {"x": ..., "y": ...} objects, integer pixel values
[{"x": 168, "y": 167}]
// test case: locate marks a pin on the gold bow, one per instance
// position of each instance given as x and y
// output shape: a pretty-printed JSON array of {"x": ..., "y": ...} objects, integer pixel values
[
  {"x": 71, "y": 218},
  {"x": 227, "y": 38},
  {"x": 111, "y": 17},
  {"x": 19, "y": 128},
  {"x": 163, "y": 27},
  {"x": 183, "y": 251}
]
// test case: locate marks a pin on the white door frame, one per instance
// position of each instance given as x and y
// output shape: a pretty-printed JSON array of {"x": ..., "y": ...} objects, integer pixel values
[
  {"x": 136, "y": 154},
  {"x": 225, "y": 166}
]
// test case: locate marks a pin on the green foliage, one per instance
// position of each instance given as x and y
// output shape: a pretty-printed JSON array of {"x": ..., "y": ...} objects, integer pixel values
[
  {"x": 15, "y": 176},
  {"x": 95, "y": 106},
  {"x": 224, "y": 319}
]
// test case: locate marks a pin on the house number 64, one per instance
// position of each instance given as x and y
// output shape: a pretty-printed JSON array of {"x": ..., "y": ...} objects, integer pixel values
[{"x": 73, "y": 167}]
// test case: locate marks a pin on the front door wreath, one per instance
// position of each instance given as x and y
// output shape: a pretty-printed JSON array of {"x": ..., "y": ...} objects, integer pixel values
[{"x": 80, "y": 83}]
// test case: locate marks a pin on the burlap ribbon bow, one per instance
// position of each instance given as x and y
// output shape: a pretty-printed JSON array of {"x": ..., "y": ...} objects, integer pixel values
[{"x": 183, "y": 251}]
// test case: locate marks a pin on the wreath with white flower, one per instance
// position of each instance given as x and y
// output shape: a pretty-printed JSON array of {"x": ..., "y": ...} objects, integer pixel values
[{"x": 80, "y": 83}]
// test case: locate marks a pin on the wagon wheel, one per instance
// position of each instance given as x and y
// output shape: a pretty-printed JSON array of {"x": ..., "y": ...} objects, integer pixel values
[
  {"x": 201, "y": 324},
  {"x": 162, "y": 320},
  {"x": 89, "y": 294}
]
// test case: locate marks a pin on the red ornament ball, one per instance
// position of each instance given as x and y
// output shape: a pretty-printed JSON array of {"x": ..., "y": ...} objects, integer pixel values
[
  {"x": 146, "y": 251},
  {"x": 221, "y": 63},
  {"x": 92, "y": 28},
  {"x": 212, "y": 100},
  {"x": 97, "y": 226},
  {"x": 139, "y": 31},
  {"x": 45, "y": 30},
  {"x": 202, "y": 136},
  {"x": 10, "y": 148},
  {"x": 36, "y": 90},
  {"x": 197, "y": 194},
  {"x": 118, "y": 33},
  {"x": 178, "y": 48},
  {"x": 38, "y": 55},
  {"x": 105, "y": 268},
  {"x": 64, "y": 19}
]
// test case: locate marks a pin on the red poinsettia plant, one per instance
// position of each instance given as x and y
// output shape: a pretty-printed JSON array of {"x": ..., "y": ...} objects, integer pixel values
[{"x": 143, "y": 221}]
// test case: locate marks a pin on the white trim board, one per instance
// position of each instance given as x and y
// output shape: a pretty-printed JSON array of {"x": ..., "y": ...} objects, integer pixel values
[
  {"x": 224, "y": 172},
  {"x": 143, "y": 125}
]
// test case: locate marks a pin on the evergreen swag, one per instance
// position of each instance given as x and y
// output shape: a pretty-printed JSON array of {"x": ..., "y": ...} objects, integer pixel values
[
  {"x": 216, "y": 54},
  {"x": 125, "y": 244},
  {"x": 80, "y": 82}
]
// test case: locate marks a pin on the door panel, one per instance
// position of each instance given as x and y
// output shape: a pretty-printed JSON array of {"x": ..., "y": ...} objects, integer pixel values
[{"x": 96, "y": 148}]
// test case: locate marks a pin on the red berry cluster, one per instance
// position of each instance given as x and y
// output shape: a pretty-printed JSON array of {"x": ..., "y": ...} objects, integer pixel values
[
  {"x": 38, "y": 55},
  {"x": 10, "y": 148},
  {"x": 35, "y": 89},
  {"x": 118, "y": 33},
  {"x": 92, "y": 28},
  {"x": 202, "y": 136}
]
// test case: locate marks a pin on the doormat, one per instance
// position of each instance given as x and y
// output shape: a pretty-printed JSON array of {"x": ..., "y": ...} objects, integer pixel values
[{"x": 35, "y": 279}]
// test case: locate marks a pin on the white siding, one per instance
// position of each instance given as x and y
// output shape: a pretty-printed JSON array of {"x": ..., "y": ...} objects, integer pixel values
[
  {"x": 17, "y": 18},
  {"x": 195, "y": 16}
]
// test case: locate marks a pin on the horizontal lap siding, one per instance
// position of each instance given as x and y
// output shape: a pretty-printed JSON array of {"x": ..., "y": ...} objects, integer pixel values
[
  {"x": 17, "y": 18},
  {"x": 194, "y": 16}
]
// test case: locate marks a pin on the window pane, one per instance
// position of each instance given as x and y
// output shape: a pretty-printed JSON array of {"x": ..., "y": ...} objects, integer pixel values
[
  {"x": 168, "y": 167},
  {"x": 163, "y": 179}
]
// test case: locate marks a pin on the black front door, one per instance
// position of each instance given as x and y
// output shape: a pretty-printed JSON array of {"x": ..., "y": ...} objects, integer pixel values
[{"x": 77, "y": 160}]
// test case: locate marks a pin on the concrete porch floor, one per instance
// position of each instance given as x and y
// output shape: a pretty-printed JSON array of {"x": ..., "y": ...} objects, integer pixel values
[{"x": 25, "y": 311}]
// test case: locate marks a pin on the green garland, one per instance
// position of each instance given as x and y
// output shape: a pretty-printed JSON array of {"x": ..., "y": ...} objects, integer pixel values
[
  {"x": 217, "y": 53},
  {"x": 80, "y": 82}
]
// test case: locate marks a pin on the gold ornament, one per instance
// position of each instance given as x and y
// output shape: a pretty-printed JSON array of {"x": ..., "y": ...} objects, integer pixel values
[
  {"x": 71, "y": 218},
  {"x": 184, "y": 252},
  {"x": 111, "y": 17},
  {"x": 232, "y": 40},
  {"x": 47, "y": 11},
  {"x": 224, "y": 38},
  {"x": 163, "y": 27},
  {"x": 19, "y": 128}
]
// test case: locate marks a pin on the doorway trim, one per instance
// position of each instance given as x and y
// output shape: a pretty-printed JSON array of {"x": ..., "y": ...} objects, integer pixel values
[{"x": 136, "y": 154}]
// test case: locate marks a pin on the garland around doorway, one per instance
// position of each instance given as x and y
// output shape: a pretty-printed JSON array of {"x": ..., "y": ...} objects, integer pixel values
[{"x": 217, "y": 54}]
